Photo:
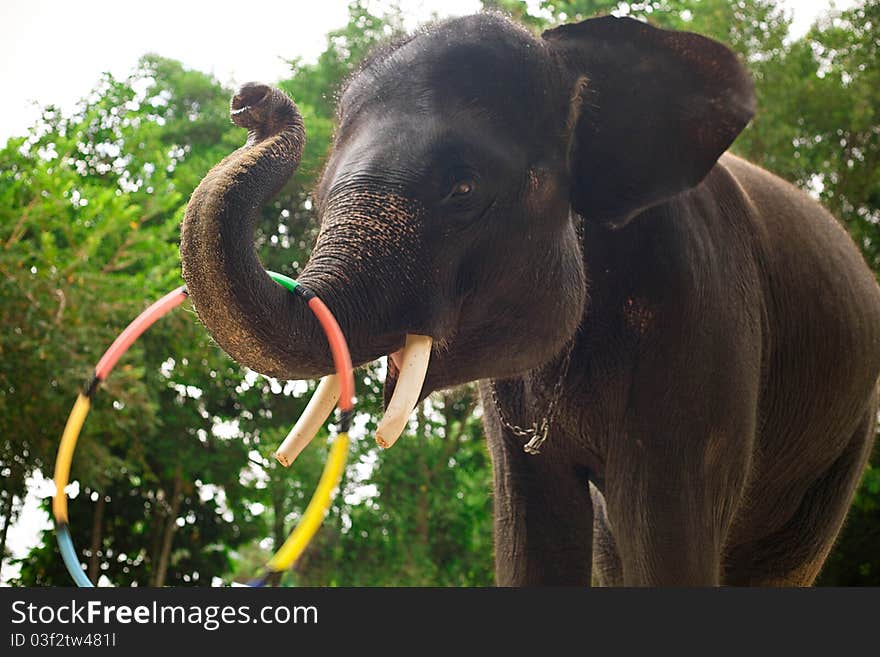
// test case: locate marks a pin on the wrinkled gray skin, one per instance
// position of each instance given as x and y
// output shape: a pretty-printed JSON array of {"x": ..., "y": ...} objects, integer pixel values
[{"x": 506, "y": 195}]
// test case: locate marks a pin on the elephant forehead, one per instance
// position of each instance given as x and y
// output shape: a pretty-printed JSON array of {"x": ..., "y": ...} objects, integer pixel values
[
  {"x": 393, "y": 143},
  {"x": 477, "y": 60}
]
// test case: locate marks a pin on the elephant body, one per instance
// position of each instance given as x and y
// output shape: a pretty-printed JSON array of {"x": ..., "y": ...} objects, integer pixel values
[
  {"x": 559, "y": 218},
  {"x": 720, "y": 401}
]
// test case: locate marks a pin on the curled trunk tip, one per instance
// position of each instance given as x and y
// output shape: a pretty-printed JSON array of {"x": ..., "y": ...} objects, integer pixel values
[
  {"x": 265, "y": 112},
  {"x": 254, "y": 320}
]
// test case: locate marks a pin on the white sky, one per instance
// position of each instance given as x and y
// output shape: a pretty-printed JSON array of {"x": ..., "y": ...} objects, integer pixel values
[{"x": 53, "y": 52}]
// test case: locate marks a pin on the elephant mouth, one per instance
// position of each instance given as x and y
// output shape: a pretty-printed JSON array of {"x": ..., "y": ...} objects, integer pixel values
[
  {"x": 406, "y": 371},
  {"x": 392, "y": 373}
]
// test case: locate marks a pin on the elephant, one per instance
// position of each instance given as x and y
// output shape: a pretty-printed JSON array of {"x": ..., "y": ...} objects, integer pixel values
[{"x": 677, "y": 352}]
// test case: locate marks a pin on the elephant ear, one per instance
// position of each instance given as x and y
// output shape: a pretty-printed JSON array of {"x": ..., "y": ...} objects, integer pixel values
[{"x": 651, "y": 112}]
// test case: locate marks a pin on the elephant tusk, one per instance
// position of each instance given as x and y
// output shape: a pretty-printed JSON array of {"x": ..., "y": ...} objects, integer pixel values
[
  {"x": 317, "y": 411},
  {"x": 414, "y": 361}
]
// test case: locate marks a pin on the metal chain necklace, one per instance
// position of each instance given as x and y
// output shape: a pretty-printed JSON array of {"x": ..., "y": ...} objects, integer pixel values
[{"x": 538, "y": 432}]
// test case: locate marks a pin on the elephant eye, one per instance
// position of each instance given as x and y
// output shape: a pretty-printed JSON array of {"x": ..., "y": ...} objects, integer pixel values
[{"x": 462, "y": 188}]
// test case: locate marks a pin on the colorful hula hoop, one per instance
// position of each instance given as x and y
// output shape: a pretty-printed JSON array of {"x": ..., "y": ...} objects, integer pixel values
[{"x": 299, "y": 538}]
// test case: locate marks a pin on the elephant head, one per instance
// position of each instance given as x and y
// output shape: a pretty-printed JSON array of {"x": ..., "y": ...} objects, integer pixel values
[{"x": 463, "y": 159}]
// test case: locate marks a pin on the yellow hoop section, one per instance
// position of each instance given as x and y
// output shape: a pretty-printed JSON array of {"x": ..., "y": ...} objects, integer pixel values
[{"x": 313, "y": 516}]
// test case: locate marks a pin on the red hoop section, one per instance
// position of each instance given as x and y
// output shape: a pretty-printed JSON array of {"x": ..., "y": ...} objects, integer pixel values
[{"x": 339, "y": 349}]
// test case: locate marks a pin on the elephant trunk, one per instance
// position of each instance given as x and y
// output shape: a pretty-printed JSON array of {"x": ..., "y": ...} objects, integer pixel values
[
  {"x": 259, "y": 324},
  {"x": 365, "y": 238}
]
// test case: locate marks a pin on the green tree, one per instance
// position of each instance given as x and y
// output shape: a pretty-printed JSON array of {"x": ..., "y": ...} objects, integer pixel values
[{"x": 90, "y": 211}]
